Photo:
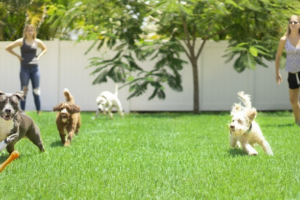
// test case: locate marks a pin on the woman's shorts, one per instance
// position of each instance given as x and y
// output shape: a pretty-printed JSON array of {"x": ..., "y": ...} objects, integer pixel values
[{"x": 293, "y": 80}]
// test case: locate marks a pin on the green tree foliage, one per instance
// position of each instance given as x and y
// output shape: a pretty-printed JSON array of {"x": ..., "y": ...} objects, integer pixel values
[
  {"x": 252, "y": 27},
  {"x": 117, "y": 25},
  {"x": 15, "y": 14}
]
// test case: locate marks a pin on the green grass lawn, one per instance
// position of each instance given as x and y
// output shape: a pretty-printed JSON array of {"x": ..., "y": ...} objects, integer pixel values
[{"x": 155, "y": 156}]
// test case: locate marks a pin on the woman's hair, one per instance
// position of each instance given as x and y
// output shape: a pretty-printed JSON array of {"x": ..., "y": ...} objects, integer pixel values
[
  {"x": 288, "y": 28},
  {"x": 27, "y": 26}
]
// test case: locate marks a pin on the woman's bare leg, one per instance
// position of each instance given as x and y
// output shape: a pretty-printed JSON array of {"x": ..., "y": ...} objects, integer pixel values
[{"x": 294, "y": 99}]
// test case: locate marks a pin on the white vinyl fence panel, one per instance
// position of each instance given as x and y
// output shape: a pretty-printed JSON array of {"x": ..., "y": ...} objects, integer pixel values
[{"x": 64, "y": 66}]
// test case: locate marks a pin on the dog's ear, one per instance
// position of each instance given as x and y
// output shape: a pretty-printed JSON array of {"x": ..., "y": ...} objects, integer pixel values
[
  {"x": 98, "y": 99},
  {"x": 2, "y": 97},
  {"x": 20, "y": 95},
  {"x": 74, "y": 108},
  {"x": 236, "y": 108},
  {"x": 251, "y": 114},
  {"x": 57, "y": 107}
]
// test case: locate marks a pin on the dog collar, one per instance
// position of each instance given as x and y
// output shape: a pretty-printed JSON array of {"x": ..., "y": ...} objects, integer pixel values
[
  {"x": 13, "y": 117},
  {"x": 249, "y": 128}
]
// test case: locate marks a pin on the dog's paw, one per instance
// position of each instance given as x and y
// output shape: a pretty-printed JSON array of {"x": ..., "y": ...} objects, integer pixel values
[
  {"x": 67, "y": 143},
  {"x": 10, "y": 138},
  {"x": 253, "y": 153}
]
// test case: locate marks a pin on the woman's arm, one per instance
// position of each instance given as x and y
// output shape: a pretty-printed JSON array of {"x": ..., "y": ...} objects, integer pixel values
[
  {"x": 12, "y": 45},
  {"x": 277, "y": 59},
  {"x": 43, "y": 47}
]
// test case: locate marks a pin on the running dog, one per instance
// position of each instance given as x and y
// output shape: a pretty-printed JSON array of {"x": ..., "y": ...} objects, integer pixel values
[
  {"x": 106, "y": 101},
  {"x": 244, "y": 131},
  {"x": 68, "y": 119},
  {"x": 15, "y": 124}
]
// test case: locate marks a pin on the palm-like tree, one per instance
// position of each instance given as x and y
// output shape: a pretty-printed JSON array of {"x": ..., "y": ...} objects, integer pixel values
[{"x": 15, "y": 14}]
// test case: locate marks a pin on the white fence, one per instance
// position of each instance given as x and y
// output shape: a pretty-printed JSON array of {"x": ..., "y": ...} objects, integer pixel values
[{"x": 64, "y": 66}]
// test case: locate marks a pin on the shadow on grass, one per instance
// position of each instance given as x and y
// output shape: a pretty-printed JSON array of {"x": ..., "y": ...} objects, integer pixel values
[
  {"x": 3, "y": 157},
  {"x": 237, "y": 152},
  {"x": 279, "y": 125},
  {"x": 156, "y": 114},
  {"x": 56, "y": 144}
]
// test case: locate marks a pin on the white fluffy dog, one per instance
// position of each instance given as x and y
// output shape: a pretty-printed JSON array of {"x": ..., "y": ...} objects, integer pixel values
[
  {"x": 244, "y": 131},
  {"x": 106, "y": 101}
]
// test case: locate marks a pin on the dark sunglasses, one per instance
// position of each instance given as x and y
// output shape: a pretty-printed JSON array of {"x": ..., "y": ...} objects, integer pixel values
[{"x": 294, "y": 22}]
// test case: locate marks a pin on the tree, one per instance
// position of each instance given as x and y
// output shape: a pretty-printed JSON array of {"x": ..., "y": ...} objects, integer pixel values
[
  {"x": 252, "y": 27},
  {"x": 15, "y": 14},
  {"x": 117, "y": 24}
]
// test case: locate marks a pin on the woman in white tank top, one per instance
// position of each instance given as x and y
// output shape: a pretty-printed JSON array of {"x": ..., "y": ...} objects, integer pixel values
[{"x": 290, "y": 42}]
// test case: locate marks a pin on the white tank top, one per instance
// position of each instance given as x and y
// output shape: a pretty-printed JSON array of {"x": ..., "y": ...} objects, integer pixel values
[{"x": 292, "y": 57}]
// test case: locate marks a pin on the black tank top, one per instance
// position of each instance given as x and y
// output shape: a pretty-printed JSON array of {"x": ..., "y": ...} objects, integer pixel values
[{"x": 28, "y": 53}]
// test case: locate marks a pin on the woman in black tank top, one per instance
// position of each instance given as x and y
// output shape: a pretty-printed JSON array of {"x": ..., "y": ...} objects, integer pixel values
[{"x": 29, "y": 70}]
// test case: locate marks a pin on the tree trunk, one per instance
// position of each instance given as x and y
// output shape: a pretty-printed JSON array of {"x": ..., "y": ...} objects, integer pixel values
[{"x": 196, "y": 109}]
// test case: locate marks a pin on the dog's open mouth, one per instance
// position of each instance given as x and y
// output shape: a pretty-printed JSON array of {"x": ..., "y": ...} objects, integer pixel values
[
  {"x": 64, "y": 117},
  {"x": 6, "y": 117}
]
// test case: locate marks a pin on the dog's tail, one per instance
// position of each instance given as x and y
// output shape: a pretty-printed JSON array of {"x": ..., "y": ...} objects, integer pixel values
[
  {"x": 116, "y": 90},
  {"x": 245, "y": 98},
  {"x": 68, "y": 96}
]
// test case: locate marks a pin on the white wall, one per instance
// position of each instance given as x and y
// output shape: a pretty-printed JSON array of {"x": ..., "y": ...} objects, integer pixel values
[{"x": 64, "y": 66}]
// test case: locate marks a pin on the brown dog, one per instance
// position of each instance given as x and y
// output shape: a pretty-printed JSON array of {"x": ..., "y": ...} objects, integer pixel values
[{"x": 68, "y": 120}]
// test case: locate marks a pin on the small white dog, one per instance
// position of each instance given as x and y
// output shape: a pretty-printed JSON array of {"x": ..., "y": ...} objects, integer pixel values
[
  {"x": 106, "y": 101},
  {"x": 244, "y": 131}
]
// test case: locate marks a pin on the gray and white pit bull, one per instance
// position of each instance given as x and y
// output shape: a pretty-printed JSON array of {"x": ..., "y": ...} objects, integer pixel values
[{"x": 15, "y": 124}]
